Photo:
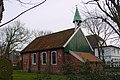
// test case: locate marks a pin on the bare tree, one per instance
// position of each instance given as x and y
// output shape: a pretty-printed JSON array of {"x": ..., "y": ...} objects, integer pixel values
[
  {"x": 2, "y": 9},
  {"x": 111, "y": 8},
  {"x": 37, "y": 33},
  {"x": 13, "y": 37},
  {"x": 97, "y": 28}
]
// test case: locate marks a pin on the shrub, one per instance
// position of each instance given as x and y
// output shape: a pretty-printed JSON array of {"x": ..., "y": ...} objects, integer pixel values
[
  {"x": 5, "y": 69},
  {"x": 69, "y": 68},
  {"x": 85, "y": 68}
]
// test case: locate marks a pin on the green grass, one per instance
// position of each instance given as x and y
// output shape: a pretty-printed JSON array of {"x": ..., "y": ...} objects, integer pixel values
[
  {"x": 108, "y": 75},
  {"x": 20, "y": 75}
]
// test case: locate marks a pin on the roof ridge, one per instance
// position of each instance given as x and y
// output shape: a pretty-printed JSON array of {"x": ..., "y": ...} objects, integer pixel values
[{"x": 55, "y": 32}]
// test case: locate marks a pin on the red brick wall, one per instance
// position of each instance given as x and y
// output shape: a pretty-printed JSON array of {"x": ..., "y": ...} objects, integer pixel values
[
  {"x": 72, "y": 59},
  {"x": 53, "y": 68},
  {"x": 61, "y": 59},
  {"x": 77, "y": 63},
  {"x": 34, "y": 67},
  {"x": 27, "y": 62}
]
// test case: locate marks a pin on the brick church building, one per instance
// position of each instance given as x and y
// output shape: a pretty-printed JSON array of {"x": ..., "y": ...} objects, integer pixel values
[{"x": 53, "y": 50}]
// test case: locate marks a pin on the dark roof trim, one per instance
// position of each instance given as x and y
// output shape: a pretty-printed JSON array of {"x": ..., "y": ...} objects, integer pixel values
[{"x": 95, "y": 35}]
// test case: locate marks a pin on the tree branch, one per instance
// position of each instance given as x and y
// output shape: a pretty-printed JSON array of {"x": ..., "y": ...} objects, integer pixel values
[
  {"x": 110, "y": 25},
  {"x": 25, "y": 2},
  {"x": 103, "y": 10},
  {"x": 23, "y": 13},
  {"x": 97, "y": 17}
]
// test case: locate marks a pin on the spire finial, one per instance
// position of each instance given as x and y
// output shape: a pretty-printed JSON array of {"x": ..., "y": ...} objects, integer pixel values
[
  {"x": 77, "y": 16},
  {"x": 77, "y": 19},
  {"x": 76, "y": 6}
]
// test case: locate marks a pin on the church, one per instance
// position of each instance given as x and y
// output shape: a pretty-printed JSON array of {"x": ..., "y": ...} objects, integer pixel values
[{"x": 51, "y": 51}]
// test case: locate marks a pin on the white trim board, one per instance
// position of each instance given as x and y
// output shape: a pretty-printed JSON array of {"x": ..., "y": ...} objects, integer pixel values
[
  {"x": 72, "y": 53},
  {"x": 87, "y": 41},
  {"x": 71, "y": 38}
]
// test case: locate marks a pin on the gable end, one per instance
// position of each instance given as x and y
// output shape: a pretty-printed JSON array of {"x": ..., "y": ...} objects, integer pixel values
[{"x": 78, "y": 42}]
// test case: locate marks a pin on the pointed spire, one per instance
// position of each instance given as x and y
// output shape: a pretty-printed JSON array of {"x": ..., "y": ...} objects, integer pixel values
[
  {"x": 77, "y": 16},
  {"x": 77, "y": 19}
]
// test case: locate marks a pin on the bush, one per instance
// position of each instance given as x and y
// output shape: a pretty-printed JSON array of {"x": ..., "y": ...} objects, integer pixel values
[
  {"x": 85, "y": 68},
  {"x": 86, "y": 73},
  {"x": 5, "y": 69},
  {"x": 68, "y": 68}
]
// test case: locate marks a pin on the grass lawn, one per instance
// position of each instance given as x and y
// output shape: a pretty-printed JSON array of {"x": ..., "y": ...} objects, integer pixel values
[
  {"x": 108, "y": 75},
  {"x": 20, "y": 75}
]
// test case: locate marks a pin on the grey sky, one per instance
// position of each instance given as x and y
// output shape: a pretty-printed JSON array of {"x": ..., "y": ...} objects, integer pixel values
[{"x": 53, "y": 15}]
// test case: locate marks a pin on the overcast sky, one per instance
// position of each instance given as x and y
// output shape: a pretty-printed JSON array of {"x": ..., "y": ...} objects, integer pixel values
[{"x": 53, "y": 15}]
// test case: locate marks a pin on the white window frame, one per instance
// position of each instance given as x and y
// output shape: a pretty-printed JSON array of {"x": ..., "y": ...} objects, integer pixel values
[
  {"x": 42, "y": 58},
  {"x": 33, "y": 58},
  {"x": 52, "y": 58}
]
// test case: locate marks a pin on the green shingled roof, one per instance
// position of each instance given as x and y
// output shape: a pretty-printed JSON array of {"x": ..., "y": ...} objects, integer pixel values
[{"x": 77, "y": 16}]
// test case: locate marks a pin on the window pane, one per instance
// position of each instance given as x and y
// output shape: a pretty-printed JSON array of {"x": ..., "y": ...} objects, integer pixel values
[
  {"x": 54, "y": 58},
  {"x": 43, "y": 58},
  {"x": 34, "y": 58}
]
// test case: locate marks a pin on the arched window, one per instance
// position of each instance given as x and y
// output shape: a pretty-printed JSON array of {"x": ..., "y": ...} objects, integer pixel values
[
  {"x": 34, "y": 58},
  {"x": 54, "y": 57},
  {"x": 44, "y": 58}
]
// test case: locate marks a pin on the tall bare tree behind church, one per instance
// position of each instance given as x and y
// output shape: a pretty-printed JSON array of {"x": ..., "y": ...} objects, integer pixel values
[{"x": 111, "y": 8}]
